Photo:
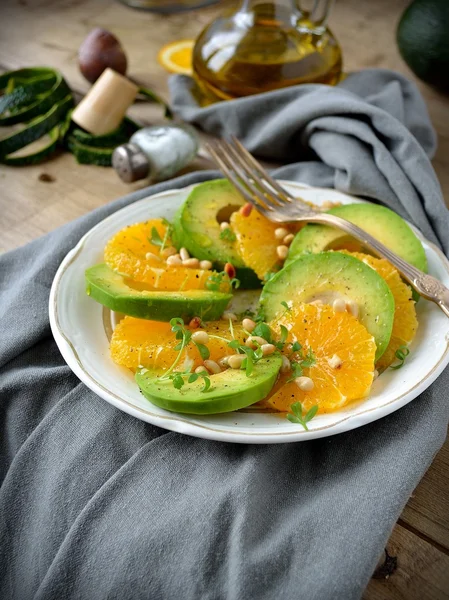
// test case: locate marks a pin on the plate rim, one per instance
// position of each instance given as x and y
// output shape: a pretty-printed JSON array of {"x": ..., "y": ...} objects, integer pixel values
[{"x": 179, "y": 423}]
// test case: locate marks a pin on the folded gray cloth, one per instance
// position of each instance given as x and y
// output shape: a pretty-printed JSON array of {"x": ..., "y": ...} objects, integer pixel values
[{"x": 95, "y": 504}]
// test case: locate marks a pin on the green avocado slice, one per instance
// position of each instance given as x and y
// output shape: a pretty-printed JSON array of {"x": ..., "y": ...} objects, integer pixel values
[
  {"x": 381, "y": 222},
  {"x": 123, "y": 295},
  {"x": 230, "y": 390},
  {"x": 197, "y": 227},
  {"x": 327, "y": 276}
]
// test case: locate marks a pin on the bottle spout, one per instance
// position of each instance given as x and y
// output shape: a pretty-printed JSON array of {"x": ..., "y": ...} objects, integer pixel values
[{"x": 318, "y": 16}]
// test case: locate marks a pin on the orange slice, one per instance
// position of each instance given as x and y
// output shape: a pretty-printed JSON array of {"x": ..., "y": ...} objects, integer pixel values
[
  {"x": 176, "y": 57},
  {"x": 327, "y": 334},
  {"x": 256, "y": 242},
  {"x": 405, "y": 322},
  {"x": 139, "y": 342},
  {"x": 132, "y": 254}
]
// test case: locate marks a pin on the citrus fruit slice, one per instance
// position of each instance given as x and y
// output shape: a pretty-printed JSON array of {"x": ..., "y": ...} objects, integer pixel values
[
  {"x": 133, "y": 253},
  {"x": 151, "y": 344},
  {"x": 343, "y": 365},
  {"x": 176, "y": 57},
  {"x": 405, "y": 322},
  {"x": 257, "y": 243}
]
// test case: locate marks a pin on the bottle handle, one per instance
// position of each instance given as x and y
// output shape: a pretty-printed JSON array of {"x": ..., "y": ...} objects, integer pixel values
[{"x": 318, "y": 15}]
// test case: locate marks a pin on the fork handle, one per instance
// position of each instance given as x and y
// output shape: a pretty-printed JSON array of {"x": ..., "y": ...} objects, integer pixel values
[{"x": 427, "y": 286}]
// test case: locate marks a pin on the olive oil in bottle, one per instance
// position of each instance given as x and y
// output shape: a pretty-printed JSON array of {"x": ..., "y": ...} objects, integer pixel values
[{"x": 265, "y": 46}]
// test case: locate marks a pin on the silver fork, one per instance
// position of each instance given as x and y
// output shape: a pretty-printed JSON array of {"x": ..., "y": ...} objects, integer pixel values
[{"x": 273, "y": 201}]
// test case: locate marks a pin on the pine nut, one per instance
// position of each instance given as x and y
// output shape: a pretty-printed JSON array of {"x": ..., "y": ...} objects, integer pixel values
[
  {"x": 191, "y": 263},
  {"x": 375, "y": 374},
  {"x": 205, "y": 264},
  {"x": 201, "y": 369},
  {"x": 174, "y": 261},
  {"x": 200, "y": 337},
  {"x": 195, "y": 323},
  {"x": 246, "y": 209},
  {"x": 288, "y": 239},
  {"x": 212, "y": 366},
  {"x": 223, "y": 362},
  {"x": 170, "y": 251},
  {"x": 248, "y": 324},
  {"x": 335, "y": 362},
  {"x": 230, "y": 271},
  {"x": 255, "y": 340},
  {"x": 184, "y": 254},
  {"x": 305, "y": 384},
  {"x": 339, "y": 305},
  {"x": 280, "y": 233},
  {"x": 235, "y": 361},
  {"x": 224, "y": 225},
  {"x": 267, "y": 349},
  {"x": 282, "y": 252},
  {"x": 226, "y": 316},
  {"x": 286, "y": 366},
  {"x": 150, "y": 255},
  {"x": 352, "y": 308}
]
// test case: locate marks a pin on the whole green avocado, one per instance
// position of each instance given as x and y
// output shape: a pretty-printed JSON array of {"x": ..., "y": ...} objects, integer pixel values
[{"x": 423, "y": 41}]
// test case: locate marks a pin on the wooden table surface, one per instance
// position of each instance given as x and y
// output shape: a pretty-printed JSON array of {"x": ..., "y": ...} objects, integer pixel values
[{"x": 49, "y": 32}]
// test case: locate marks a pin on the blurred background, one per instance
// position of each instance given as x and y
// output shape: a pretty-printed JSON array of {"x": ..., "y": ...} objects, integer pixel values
[{"x": 50, "y": 33}]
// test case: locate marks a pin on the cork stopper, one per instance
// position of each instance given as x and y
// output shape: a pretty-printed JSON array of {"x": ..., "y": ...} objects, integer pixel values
[{"x": 103, "y": 107}]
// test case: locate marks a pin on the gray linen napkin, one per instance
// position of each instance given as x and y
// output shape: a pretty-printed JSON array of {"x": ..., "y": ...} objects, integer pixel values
[{"x": 95, "y": 504}]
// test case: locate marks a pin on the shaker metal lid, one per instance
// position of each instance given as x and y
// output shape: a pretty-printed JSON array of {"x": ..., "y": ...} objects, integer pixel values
[{"x": 130, "y": 163}]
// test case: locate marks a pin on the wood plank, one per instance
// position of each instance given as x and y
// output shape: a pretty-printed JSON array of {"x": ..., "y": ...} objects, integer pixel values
[
  {"x": 422, "y": 571},
  {"x": 427, "y": 510}
]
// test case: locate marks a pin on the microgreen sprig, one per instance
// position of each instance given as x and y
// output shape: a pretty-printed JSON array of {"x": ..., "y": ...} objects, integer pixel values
[
  {"x": 206, "y": 379},
  {"x": 178, "y": 379},
  {"x": 156, "y": 239},
  {"x": 298, "y": 415},
  {"x": 231, "y": 329},
  {"x": 401, "y": 354},
  {"x": 260, "y": 315},
  {"x": 185, "y": 337},
  {"x": 252, "y": 357},
  {"x": 228, "y": 235},
  {"x": 263, "y": 330},
  {"x": 286, "y": 306},
  {"x": 296, "y": 347},
  {"x": 297, "y": 366},
  {"x": 215, "y": 280},
  {"x": 283, "y": 339}
]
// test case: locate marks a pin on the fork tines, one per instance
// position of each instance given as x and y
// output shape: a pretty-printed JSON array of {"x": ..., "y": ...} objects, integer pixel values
[{"x": 248, "y": 175}]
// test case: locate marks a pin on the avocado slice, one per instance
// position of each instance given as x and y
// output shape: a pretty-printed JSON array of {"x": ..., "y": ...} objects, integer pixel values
[
  {"x": 381, "y": 222},
  {"x": 126, "y": 296},
  {"x": 230, "y": 390},
  {"x": 330, "y": 275},
  {"x": 197, "y": 227}
]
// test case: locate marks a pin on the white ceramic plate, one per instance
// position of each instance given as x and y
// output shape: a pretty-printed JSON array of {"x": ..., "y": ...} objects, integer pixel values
[{"x": 81, "y": 328}]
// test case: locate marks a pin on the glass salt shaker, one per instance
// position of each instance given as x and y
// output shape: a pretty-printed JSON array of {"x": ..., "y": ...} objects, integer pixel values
[{"x": 158, "y": 152}]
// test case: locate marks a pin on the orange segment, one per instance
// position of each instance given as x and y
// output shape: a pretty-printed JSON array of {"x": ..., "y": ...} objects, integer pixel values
[
  {"x": 131, "y": 253},
  {"x": 256, "y": 242},
  {"x": 326, "y": 333},
  {"x": 151, "y": 344},
  {"x": 176, "y": 57},
  {"x": 405, "y": 322}
]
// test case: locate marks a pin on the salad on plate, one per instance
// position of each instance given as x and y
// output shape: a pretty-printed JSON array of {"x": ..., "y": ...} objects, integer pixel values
[{"x": 221, "y": 309}]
